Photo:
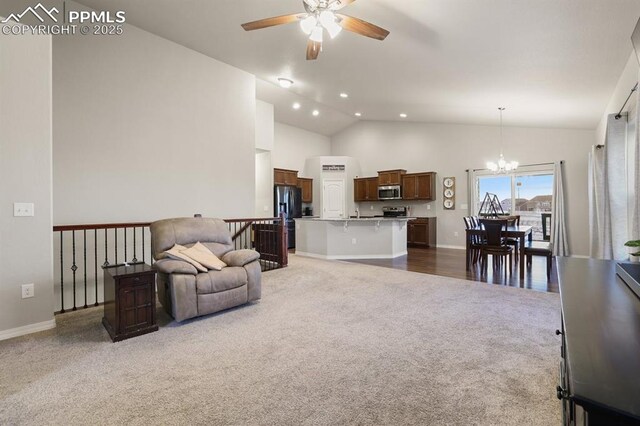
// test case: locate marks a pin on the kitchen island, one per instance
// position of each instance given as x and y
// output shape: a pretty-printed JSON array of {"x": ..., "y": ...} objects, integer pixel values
[{"x": 354, "y": 238}]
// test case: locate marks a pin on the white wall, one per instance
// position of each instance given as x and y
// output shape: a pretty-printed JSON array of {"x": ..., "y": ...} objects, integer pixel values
[
  {"x": 292, "y": 147},
  {"x": 146, "y": 129},
  {"x": 264, "y": 170},
  {"x": 627, "y": 80},
  {"x": 264, "y": 126},
  {"x": 25, "y": 176},
  {"x": 451, "y": 149}
]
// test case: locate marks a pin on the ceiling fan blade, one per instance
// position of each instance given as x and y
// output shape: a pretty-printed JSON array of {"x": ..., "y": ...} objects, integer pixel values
[
  {"x": 361, "y": 27},
  {"x": 313, "y": 50},
  {"x": 271, "y": 22},
  {"x": 339, "y": 4}
]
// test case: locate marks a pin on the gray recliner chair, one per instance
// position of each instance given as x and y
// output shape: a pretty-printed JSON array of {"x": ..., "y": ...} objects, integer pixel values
[{"x": 186, "y": 293}]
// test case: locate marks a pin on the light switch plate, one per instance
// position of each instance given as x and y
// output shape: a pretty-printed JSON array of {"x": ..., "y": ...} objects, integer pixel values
[{"x": 23, "y": 209}]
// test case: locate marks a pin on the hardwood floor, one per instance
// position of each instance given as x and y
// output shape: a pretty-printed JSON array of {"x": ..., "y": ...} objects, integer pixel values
[{"x": 451, "y": 263}]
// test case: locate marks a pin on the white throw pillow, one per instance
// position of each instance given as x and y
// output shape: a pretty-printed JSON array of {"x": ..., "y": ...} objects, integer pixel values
[
  {"x": 176, "y": 253},
  {"x": 201, "y": 254}
]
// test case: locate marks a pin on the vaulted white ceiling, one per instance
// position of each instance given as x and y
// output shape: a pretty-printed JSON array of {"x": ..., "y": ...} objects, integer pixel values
[{"x": 551, "y": 63}]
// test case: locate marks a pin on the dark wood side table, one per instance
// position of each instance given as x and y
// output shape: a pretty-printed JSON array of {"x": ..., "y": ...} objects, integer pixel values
[{"x": 129, "y": 301}]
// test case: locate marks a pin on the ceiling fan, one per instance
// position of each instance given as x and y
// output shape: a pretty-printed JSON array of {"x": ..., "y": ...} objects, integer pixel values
[{"x": 320, "y": 16}]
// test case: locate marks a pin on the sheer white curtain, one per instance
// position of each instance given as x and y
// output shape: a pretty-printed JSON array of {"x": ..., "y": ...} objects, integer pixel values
[
  {"x": 599, "y": 219},
  {"x": 558, "y": 222},
  {"x": 635, "y": 182},
  {"x": 608, "y": 198}
]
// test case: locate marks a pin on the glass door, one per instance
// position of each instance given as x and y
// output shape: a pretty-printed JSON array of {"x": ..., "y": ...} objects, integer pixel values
[
  {"x": 527, "y": 193},
  {"x": 533, "y": 196}
]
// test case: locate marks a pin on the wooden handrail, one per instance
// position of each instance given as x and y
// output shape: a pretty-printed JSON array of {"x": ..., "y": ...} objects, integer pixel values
[
  {"x": 254, "y": 219},
  {"x": 59, "y": 228}
]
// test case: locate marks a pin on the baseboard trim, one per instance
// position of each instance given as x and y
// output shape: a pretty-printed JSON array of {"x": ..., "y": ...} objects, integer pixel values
[
  {"x": 27, "y": 329},
  {"x": 446, "y": 246},
  {"x": 350, "y": 257}
]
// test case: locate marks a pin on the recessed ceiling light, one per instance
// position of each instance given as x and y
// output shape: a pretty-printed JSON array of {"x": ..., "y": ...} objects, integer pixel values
[
  {"x": 344, "y": 95},
  {"x": 358, "y": 114},
  {"x": 285, "y": 83},
  {"x": 296, "y": 105},
  {"x": 403, "y": 115},
  {"x": 315, "y": 113}
]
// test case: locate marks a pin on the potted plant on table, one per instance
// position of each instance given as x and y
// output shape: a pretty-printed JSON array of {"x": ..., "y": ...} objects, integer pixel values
[{"x": 634, "y": 250}]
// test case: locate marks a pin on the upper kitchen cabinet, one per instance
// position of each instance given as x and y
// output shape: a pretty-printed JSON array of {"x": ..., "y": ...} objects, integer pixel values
[
  {"x": 306, "y": 185},
  {"x": 419, "y": 186},
  {"x": 285, "y": 177},
  {"x": 390, "y": 177},
  {"x": 365, "y": 189}
]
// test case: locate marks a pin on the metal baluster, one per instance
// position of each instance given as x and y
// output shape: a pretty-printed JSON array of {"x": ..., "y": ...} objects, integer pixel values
[
  {"x": 84, "y": 232},
  {"x": 74, "y": 268},
  {"x": 143, "y": 256},
  {"x": 125, "y": 245},
  {"x": 61, "y": 273},
  {"x": 115, "y": 232},
  {"x": 95, "y": 261},
  {"x": 135, "y": 259},
  {"x": 106, "y": 237}
]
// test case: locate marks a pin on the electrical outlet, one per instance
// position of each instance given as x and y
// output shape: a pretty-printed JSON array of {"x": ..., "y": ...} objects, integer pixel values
[
  {"x": 455, "y": 234},
  {"x": 372, "y": 207},
  {"x": 354, "y": 241},
  {"x": 428, "y": 206},
  {"x": 28, "y": 290}
]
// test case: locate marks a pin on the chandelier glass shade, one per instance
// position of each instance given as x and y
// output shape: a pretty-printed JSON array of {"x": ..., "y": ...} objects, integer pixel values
[{"x": 502, "y": 166}]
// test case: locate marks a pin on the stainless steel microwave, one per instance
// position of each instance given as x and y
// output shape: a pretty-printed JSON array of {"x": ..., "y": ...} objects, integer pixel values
[{"x": 392, "y": 192}]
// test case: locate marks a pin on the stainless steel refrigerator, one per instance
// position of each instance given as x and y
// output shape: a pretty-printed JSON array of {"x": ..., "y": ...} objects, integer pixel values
[{"x": 288, "y": 200}]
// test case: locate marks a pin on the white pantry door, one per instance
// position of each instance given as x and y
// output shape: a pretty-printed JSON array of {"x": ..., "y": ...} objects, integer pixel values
[{"x": 332, "y": 199}]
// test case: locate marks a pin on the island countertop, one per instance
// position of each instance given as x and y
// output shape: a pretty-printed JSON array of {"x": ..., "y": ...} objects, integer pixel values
[
  {"x": 356, "y": 219},
  {"x": 352, "y": 238}
]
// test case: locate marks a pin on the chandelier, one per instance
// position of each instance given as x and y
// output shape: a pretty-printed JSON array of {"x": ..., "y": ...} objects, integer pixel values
[{"x": 502, "y": 166}]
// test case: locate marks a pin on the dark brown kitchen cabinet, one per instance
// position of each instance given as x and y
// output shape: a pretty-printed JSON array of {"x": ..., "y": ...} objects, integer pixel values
[
  {"x": 129, "y": 301},
  {"x": 421, "y": 232},
  {"x": 390, "y": 177},
  {"x": 306, "y": 185},
  {"x": 419, "y": 186},
  {"x": 365, "y": 189},
  {"x": 285, "y": 177}
]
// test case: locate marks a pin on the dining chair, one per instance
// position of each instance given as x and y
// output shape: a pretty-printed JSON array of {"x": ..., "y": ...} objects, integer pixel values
[
  {"x": 515, "y": 242},
  {"x": 539, "y": 248},
  {"x": 495, "y": 244},
  {"x": 475, "y": 240}
]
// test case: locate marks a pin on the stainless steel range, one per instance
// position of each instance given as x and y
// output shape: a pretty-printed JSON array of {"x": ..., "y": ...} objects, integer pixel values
[{"x": 394, "y": 211}]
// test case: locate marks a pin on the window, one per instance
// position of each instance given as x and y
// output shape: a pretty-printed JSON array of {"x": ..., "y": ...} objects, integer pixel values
[{"x": 527, "y": 193}]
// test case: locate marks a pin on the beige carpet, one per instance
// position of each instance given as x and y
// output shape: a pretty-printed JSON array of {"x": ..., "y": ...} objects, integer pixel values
[{"x": 330, "y": 343}]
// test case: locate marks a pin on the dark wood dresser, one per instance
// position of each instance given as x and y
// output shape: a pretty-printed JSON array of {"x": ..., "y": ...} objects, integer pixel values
[
  {"x": 129, "y": 301},
  {"x": 600, "y": 352}
]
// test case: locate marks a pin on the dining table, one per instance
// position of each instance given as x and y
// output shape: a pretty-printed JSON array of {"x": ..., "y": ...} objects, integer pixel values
[{"x": 513, "y": 231}]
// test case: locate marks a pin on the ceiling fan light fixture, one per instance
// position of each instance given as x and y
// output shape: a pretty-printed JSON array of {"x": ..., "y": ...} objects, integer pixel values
[
  {"x": 333, "y": 29},
  {"x": 316, "y": 34},
  {"x": 327, "y": 17},
  {"x": 308, "y": 24}
]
